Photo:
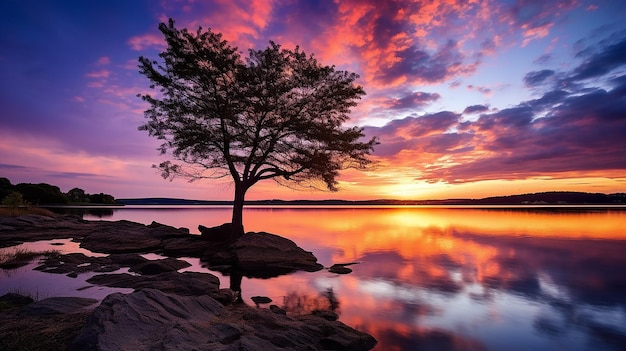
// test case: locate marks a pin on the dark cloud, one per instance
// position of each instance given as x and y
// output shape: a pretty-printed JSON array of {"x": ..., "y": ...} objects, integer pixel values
[
  {"x": 537, "y": 77},
  {"x": 413, "y": 100},
  {"x": 543, "y": 59},
  {"x": 482, "y": 90},
  {"x": 547, "y": 101},
  {"x": 55, "y": 174},
  {"x": 535, "y": 14},
  {"x": 475, "y": 109},
  {"x": 302, "y": 19},
  {"x": 12, "y": 167},
  {"x": 557, "y": 133},
  {"x": 577, "y": 128},
  {"x": 598, "y": 64},
  {"x": 415, "y": 127},
  {"x": 411, "y": 133},
  {"x": 417, "y": 64}
]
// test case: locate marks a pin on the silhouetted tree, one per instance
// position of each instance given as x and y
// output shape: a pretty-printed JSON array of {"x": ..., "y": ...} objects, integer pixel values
[
  {"x": 101, "y": 199},
  {"x": 278, "y": 115},
  {"x": 13, "y": 200},
  {"x": 41, "y": 193},
  {"x": 77, "y": 195},
  {"x": 6, "y": 187}
]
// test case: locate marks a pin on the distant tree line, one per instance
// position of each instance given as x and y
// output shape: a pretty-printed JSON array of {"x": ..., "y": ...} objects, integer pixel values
[{"x": 42, "y": 193}]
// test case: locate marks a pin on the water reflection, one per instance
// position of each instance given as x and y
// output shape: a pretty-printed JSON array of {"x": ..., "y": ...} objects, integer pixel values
[{"x": 453, "y": 279}]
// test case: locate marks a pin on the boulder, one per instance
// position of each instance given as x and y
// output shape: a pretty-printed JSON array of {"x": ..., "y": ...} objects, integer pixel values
[
  {"x": 127, "y": 259},
  {"x": 121, "y": 237},
  {"x": 260, "y": 254},
  {"x": 339, "y": 269},
  {"x": 152, "y": 320},
  {"x": 259, "y": 300},
  {"x": 219, "y": 233},
  {"x": 187, "y": 283}
]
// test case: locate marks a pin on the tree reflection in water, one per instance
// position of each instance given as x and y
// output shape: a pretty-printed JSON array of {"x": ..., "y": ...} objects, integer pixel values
[
  {"x": 453, "y": 279},
  {"x": 299, "y": 304}
]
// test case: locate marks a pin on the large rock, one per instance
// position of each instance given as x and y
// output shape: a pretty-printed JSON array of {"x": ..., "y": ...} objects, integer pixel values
[
  {"x": 152, "y": 320},
  {"x": 126, "y": 236},
  {"x": 264, "y": 254},
  {"x": 186, "y": 283},
  {"x": 159, "y": 266},
  {"x": 253, "y": 255}
]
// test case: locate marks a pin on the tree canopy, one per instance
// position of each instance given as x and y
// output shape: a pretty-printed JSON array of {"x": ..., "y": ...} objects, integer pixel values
[{"x": 278, "y": 114}]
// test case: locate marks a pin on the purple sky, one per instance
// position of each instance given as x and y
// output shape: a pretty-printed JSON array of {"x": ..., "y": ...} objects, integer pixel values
[{"x": 471, "y": 100}]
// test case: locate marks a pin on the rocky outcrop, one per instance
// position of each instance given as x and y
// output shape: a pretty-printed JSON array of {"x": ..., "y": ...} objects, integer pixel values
[
  {"x": 152, "y": 320},
  {"x": 264, "y": 255},
  {"x": 253, "y": 255},
  {"x": 169, "y": 309},
  {"x": 186, "y": 283}
]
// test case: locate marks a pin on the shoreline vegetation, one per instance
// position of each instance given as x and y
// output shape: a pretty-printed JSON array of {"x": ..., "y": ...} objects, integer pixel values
[{"x": 543, "y": 198}]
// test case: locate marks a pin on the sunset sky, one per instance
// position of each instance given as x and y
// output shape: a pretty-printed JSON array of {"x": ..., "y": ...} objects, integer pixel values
[{"x": 468, "y": 98}]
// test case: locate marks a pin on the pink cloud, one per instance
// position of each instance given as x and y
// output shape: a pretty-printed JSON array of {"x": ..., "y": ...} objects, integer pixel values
[
  {"x": 150, "y": 40},
  {"x": 103, "y": 61},
  {"x": 99, "y": 74}
]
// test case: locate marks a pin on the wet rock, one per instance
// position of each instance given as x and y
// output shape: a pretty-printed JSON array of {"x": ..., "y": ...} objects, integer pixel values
[
  {"x": 127, "y": 259},
  {"x": 227, "y": 296},
  {"x": 152, "y": 320},
  {"x": 37, "y": 227},
  {"x": 187, "y": 283},
  {"x": 339, "y": 269},
  {"x": 260, "y": 253},
  {"x": 218, "y": 234},
  {"x": 121, "y": 237},
  {"x": 159, "y": 266},
  {"x": 260, "y": 300},
  {"x": 327, "y": 315},
  {"x": 188, "y": 246},
  {"x": 254, "y": 254},
  {"x": 73, "y": 264},
  {"x": 277, "y": 310}
]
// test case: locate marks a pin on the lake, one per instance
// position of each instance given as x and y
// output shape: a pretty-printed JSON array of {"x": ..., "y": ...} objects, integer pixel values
[{"x": 433, "y": 278}]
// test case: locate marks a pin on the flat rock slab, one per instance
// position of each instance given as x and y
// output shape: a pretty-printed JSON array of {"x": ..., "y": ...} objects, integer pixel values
[
  {"x": 186, "y": 283},
  {"x": 152, "y": 320},
  {"x": 159, "y": 266}
]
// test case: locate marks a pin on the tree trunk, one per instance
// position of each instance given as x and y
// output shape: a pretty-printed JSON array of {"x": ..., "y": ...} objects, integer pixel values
[{"x": 237, "y": 220}]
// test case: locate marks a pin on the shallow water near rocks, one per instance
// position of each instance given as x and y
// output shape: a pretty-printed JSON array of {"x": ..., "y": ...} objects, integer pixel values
[{"x": 427, "y": 278}]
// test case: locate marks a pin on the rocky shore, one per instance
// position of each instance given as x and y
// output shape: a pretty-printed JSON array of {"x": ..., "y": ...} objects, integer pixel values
[{"x": 168, "y": 309}]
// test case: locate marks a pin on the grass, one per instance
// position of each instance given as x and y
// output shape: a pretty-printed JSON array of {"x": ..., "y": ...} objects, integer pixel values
[
  {"x": 10, "y": 259},
  {"x": 39, "y": 333},
  {"x": 18, "y": 211}
]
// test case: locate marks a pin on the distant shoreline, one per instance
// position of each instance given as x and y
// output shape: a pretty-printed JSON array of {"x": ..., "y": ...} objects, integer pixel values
[{"x": 534, "y": 199}]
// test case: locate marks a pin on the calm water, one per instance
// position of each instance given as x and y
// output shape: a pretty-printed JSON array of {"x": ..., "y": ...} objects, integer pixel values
[{"x": 448, "y": 279}]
